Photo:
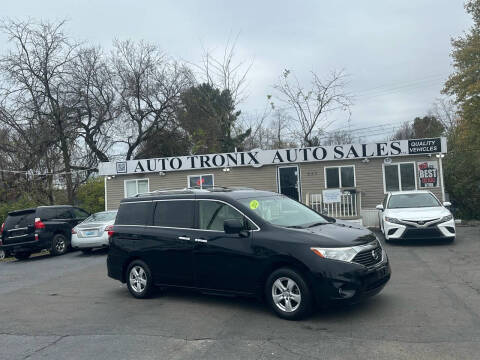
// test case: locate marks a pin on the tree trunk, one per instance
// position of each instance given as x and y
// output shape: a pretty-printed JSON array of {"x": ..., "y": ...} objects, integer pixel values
[{"x": 66, "y": 159}]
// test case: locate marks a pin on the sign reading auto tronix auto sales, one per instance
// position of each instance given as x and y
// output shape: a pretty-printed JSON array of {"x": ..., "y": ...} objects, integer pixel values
[{"x": 257, "y": 157}]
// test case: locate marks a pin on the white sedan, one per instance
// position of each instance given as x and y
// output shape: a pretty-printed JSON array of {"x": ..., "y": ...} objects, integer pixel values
[
  {"x": 93, "y": 231},
  {"x": 415, "y": 215}
]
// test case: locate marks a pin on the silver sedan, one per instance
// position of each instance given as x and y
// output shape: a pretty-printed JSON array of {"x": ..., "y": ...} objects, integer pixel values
[{"x": 93, "y": 231}]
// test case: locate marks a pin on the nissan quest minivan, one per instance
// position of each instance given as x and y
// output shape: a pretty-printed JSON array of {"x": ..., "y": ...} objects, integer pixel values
[{"x": 243, "y": 242}]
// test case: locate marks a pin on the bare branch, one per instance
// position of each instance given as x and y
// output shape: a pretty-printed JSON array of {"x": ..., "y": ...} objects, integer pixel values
[{"x": 313, "y": 105}]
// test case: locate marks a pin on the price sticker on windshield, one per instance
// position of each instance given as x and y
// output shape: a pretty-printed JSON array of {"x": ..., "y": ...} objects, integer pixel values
[{"x": 254, "y": 204}]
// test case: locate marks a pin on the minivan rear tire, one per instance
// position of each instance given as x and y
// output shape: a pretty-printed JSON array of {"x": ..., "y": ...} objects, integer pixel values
[
  {"x": 299, "y": 290},
  {"x": 139, "y": 279}
]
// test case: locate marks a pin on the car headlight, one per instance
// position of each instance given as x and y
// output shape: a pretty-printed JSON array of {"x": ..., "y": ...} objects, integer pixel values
[
  {"x": 446, "y": 218},
  {"x": 392, "y": 220},
  {"x": 343, "y": 254}
]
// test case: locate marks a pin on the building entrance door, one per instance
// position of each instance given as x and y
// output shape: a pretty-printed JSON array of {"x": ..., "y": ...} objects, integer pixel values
[{"x": 289, "y": 182}]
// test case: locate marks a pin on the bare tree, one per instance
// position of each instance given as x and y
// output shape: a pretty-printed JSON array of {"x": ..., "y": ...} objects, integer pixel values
[
  {"x": 270, "y": 130},
  {"x": 95, "y": 102},
  {"x": 312, "y": 106},
  {"x": 36, "y": 74},
  {"x": 338, "y": 137},
  {"x": 404, "y": 132},
  {"x": 148, "y": 86},
  {"x": 225, "y": 72},
  {"x": 445, "y": 111}
]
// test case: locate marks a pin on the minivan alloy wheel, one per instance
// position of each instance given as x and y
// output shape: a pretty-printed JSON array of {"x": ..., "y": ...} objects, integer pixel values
[
  {"x": 286, "y": 294},
  {"x": 138, "y": 279}
]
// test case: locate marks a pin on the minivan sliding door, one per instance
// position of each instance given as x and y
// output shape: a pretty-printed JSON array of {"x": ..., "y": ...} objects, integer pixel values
[
  {"x": 223, "y": 261},
  {"x": 171, "y": 240}
]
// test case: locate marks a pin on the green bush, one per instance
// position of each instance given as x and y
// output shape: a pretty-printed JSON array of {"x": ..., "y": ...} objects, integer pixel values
[
  {"x": 91, "y": 195},
  {"x": 23, "y": 203}
]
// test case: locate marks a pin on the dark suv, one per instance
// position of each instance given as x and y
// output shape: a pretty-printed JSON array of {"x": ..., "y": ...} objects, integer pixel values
[
  {"x": 243, "y": 242},
  {"x": 45, "y": 227}
]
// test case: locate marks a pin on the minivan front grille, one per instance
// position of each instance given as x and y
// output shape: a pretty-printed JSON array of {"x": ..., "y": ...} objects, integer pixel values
[{"x": 369, "y": 257}]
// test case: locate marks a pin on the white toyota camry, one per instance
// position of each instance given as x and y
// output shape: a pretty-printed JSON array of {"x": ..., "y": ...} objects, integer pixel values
[
  {"x": 93, "y": 231},
  {"x": 415, "y": 215}
]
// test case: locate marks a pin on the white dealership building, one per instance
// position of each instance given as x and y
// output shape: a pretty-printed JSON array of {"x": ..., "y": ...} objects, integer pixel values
[{"x": 347, "y": 180}]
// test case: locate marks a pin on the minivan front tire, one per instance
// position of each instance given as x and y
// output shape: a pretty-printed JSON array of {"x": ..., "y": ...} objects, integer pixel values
[
  {"x": 139, "y": 279},
  {"x": 288, "y": 294}
]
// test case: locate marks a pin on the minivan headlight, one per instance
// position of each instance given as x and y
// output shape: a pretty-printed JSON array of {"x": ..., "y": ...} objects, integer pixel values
[
  {"x": 343, "y": 254},
  {"x": 446, "y": 218}
]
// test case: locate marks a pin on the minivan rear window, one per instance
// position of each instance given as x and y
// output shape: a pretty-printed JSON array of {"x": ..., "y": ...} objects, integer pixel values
[
  {"x": 134, "y": 213},
  {"x": 177, "y": 214},
  {"x": 20, "y": 220}
]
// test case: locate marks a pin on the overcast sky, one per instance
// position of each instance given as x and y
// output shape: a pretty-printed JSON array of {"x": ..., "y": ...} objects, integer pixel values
[{"x": 395, "y": 52}]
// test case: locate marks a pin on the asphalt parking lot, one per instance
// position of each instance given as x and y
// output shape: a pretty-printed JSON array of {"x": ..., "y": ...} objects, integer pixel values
[{"x": 67, "y": 308}]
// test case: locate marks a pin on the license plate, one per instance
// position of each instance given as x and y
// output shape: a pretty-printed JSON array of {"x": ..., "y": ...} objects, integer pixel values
[{"x": 90, "y": 233}]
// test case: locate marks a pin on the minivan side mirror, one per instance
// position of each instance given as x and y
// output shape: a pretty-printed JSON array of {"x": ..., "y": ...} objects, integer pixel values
[
  {"x": 447, "y": 203},
  {"x": 233, "y": 226},
  {"x": 379, "y": 207}
]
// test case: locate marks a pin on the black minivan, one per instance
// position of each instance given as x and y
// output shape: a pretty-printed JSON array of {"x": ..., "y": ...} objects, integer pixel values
[{"x": 244, "y": 242}]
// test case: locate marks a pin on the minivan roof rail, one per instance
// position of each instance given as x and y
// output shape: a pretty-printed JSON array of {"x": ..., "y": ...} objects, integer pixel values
[
  {"x": 163, "y": 191},
  {"x": 192, "y": 190}
]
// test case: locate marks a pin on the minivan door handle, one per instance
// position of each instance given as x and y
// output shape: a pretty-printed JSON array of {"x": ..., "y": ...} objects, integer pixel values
[
  {"x": 201, "y": 240},
  {"x": 183, "y": 238}
]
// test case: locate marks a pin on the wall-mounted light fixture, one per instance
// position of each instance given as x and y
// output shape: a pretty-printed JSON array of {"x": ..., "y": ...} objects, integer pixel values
[
  {"x": 366, "y": 160},
  {"x": 162, "y": 173},
  {"x": 111, "y": 177},
  {"x": 226, "y": 169},
  {"x": 440, "y": 155}
]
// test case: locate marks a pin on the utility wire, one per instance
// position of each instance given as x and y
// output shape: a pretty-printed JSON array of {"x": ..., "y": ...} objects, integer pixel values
[
  {"x": 401, "y": 85},
  {"x": 29, "y": 172}
]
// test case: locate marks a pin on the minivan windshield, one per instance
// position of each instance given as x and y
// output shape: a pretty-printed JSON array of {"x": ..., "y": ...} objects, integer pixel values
[
  {"x": 101, "y": 216},
  {"x": 402, "y": 201},
  {"x": 283, "y": 211}
]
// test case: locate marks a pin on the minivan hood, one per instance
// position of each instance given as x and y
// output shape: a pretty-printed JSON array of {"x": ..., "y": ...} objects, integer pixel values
[
  {"x": 338, "y": 234},
  {"x": 415, "y": 214}
]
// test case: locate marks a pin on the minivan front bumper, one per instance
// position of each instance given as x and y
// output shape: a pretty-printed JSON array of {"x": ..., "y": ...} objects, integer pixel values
[{"x": 339, "y": 280}]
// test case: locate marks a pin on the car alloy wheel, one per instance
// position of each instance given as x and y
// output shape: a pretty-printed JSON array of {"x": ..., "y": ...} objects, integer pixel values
[
  {"x": 286, "y": 294},
  {"x": 2, "y": 254},
  {"x": 59, "y": 244},
  {"x": 138, "y": 279},
  {"x": 289, "y": 294}
]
